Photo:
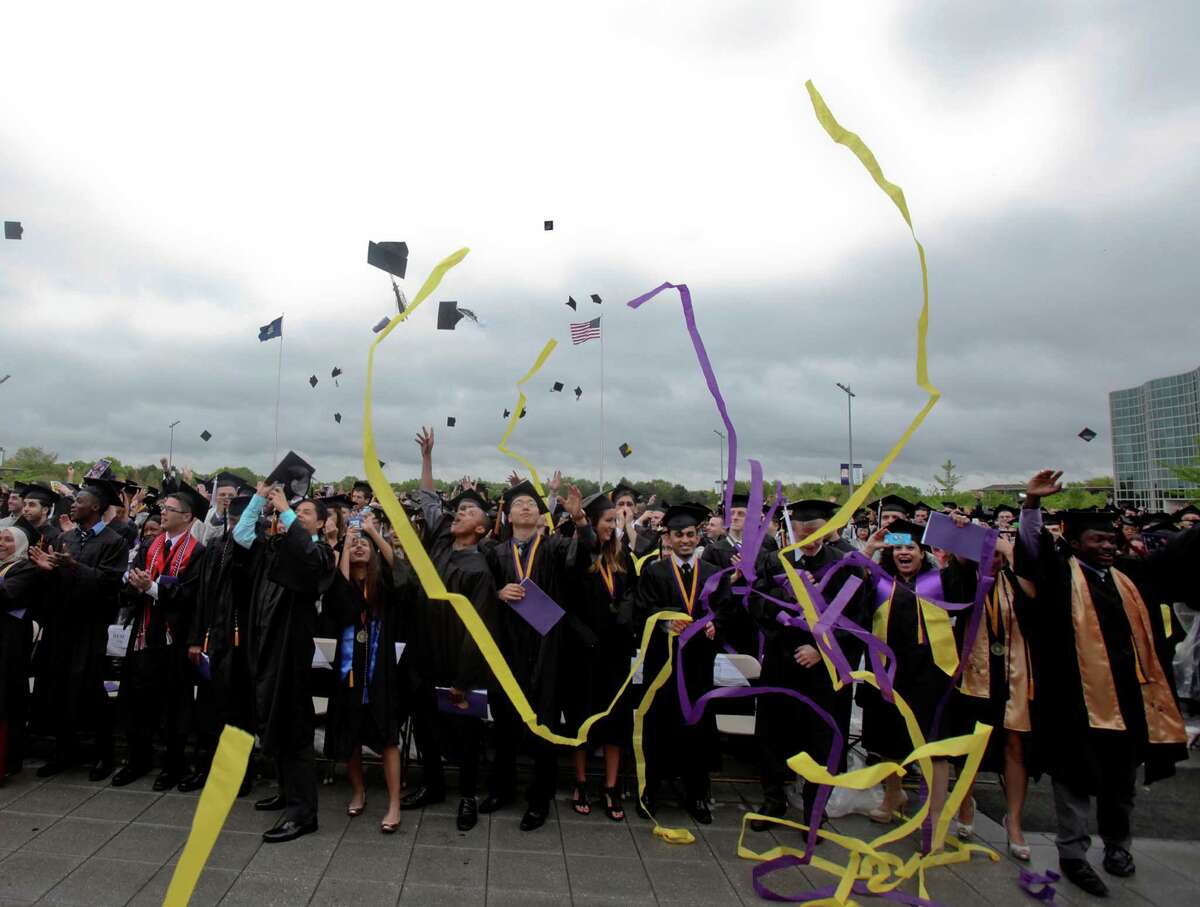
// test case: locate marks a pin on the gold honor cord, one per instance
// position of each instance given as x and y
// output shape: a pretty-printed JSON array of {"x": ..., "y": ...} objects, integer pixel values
[
  {"x": 220, "y": 790},
  {"x": 896, "y": 194},
  {"x": 516, "y": 414}
]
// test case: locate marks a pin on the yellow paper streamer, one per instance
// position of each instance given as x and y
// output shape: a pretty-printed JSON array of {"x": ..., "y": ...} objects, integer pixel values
[
  {"x": 896, "y": 194},
  {"x": 220, "y": 790},
  {"x": 516, "y": 414}
]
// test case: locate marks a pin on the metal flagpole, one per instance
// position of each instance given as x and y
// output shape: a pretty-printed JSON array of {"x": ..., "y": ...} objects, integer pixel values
[
  {"x": 278, "y": 383},
  {"x": 601, "y": 405}
]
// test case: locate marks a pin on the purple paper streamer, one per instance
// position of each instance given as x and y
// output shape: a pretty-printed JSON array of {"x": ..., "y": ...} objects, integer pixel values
[{"x": 1029, "y": 880}]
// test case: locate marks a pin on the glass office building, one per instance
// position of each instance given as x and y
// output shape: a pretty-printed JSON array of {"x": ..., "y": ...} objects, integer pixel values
[{"x": 1154, "y": 427}]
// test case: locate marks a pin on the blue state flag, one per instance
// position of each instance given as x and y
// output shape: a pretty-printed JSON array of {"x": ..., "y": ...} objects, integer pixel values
[{"x": 272, "y": 330}]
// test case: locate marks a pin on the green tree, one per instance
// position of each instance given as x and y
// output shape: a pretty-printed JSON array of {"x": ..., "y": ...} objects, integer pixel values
[
  {"x": 1190, "y": 473},
  {"x": 946, "y": 482}
]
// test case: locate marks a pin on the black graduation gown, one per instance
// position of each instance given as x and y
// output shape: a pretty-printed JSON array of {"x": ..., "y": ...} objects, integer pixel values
[
  {"x": 739, "y": 629},
  {"x": 785, "y": 725},
  {"x": 593, "y": 674},
  {"x": 288, "y": 574},
  {"x": 351, "y": 721},
  {"x": 19, "y": 590},
  {"x": 918, "y": 679},
  {"x": 220, "y": 629},
  {"x": 1071, "y": 749},
  {"x": 671, "y": 746},
  {"x": 77, "y": 607}
]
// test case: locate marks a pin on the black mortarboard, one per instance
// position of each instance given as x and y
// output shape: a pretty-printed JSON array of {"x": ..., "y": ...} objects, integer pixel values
[
  {"x": 294, "y": 474},
  {"x": 622, "y": 489},
  {"x": 949, "y": 505},
  {"x": 230, "y": 479},
  {"x": 572, "y": 304},
  {"x": 1004, "y": 508},
  {"x": 523, "y": 411},
  {"x": 625, "y": 450},
  {"x": 1190, "y": 509},
  {"x": 921, "y": 505},
  {"x": 737, "y": 499},
  {"x": 13, "y": 229},
  {"x": 388, "y": 256},
  {"x": 596, "y": 504},
  {"x": 40, "y": 493},
  {"x": 450, "y": 420},
  {"x": 893, "y": 503},
  {"x": 558, "y": 386},
  {"x": 902, "y": 526},
  {"x": 578, "y": 392},
  {"x": 312, "y": 381},
  {"x": 19, "y": 488},
  {"x": 507, "y": 414},
  {"x": 469, "y": 494},
  {"x": 681, "y": 516},
  {"x": 548, "y": 225},
  {"x": 811, "y": 509},
  {"x": 1054, "y": 518},
  {"x": 238, "y": 504},
  {"x": 596, "y": 299},
  {"x": 191, "y": 498},
  {"x": 382, "y": 323},
  {"x": 336, "y": 500},
  {"x": 1078, "y": 522},
  {"x": 523, "y": 488},
  {"x": 382, "y": 464},
  {"x": 205, "y": 435},
  {"x": 450, "y": 313},
  {"x": 1087, "y": 434},
  {"x": 334, "y": 374},
  {"x": 337, "y": 417},
  {"x": 106, "y": 491}
]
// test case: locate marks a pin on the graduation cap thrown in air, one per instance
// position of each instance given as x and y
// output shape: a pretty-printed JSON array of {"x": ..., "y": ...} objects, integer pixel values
[
  {"x": 507, "y": 414},
  {"x": 450, "y": 313},
  {"x": 382, "y": 464},
  {"x": 334, "y": 375},
  {"x": 294, "y": 474},
  {"x": 557, "y": 388},
  {"x": 450, "y": 420},
  {"x": 383, "y": 322},
  {"x": 205, "y": 436},
  {"x": 388, "y": 256},
  {"x": 337, "y": 417},
  {"x": 13, "y": 229},
  {"x": 312, "y": 381},
  {"x": 572, "y": 304},
  {"x": 5, "y": 378},
  {"x": 625, "y": 450},
  {"x": 596, "y": 298},
  {"x": 578, "y": 392},
  {"x": 1087, "y": 434},
  {"x": 523, "y": 411},
  {"x": 548, "y": 225}
]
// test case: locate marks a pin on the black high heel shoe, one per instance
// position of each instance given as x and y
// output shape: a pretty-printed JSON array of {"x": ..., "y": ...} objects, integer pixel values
[
  {"x": 612, "y": 804},
  {"x": 579, "y": 799}
]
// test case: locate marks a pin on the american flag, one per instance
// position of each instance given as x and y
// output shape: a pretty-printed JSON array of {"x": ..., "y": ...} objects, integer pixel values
[{"x": 583, "y": 331}]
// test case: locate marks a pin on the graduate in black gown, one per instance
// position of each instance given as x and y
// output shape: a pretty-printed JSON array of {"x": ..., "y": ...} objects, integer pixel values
[
  {"x": 219, "y": 635},
  {"x": 20, "y": 583},
  {"x": 1102, "y": 634},
  {"x": 365, "y": 707},
  {"x": 535, "y": 660},
  {"x": 79, "y": 601},
  {"x": 785, "y": 726},
  {"x": 156, "y": 677},
  {"x": 291, "y": 569},
  {"x": 440, "y": 651},
  {"x": 41, "y": 504},
  {"x": 600, "y": 582},
  {"x": 726, "y": 553},
  {"x": 674, "y": 748}
]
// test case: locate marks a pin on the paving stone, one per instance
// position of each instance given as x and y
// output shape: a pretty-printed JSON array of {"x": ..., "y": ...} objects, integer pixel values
[
  {"x": 440, "y": 831},
  {"x": 254, "y": 889},
  {"x": 382, "y": 860},
  {"x": 52, "y": 799},
  {"x": 691, "y": 883},
  {"x": 355, "y": 893},
  {"x": 99, "y": 883},
  {"x": 145, "y": 843},
  {"x": 82, "y": 837},
  {"x": 652, "y": 847},
  {"x": 605, "y": 878},
  {"x": 18, "y": 828},
  {"x": 117, "y": 805},
  {"x": 513, "y": 870},
  {"x": 210, "y": 887},
  {"x": 27, "y": 875},
  {"x": 304, "y": 858},
  {"x": 457, "y": 867},
  {"x": 519, "y": 898},
  {"x": 419, "y": 895},
  {"x": 608, "y": 840},
  {"x": 506, "y": 834}
]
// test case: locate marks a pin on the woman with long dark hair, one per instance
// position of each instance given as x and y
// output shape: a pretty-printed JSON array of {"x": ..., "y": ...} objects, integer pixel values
[
  {"x": 364, "y": 708},
  {"x": 600, "y": 584}
]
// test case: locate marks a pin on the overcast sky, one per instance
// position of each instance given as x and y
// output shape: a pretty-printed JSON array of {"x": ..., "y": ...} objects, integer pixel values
[{"x": 186, "y": 176}]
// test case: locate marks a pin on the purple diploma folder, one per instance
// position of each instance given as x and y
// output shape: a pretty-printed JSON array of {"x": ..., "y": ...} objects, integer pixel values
[
  {"x": 538, "y": 609},
  {"x": 475, "y": 706},
  {"x": 966, "y": 541}
]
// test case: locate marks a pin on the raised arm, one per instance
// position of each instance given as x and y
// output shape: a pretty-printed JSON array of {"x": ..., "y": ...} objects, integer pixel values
[
  {"x": 244, "y": 532},
  {"x": 424, "y": 441}
]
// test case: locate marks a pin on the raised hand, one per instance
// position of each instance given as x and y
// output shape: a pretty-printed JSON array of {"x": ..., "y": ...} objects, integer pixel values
[
  {"x": 514, "y": 478},
  {"x": 1044, "y": 483},
  {"x": 572, "y": 503},
  {"x": 331, "y": 529},
  {"x": 41, "y": 559},
  {"x": 424, "y": 440},
  {"x": 278, "y": 499},
  {"x": 187, "y": 474},
  {"x": 555, "y": 481},
  {"x": 71, "y": 474},
  {"x": 263, "y": 490}
]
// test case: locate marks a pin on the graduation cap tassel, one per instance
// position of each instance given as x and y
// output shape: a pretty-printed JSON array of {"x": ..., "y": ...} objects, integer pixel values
[{"x": 400, "y": 302}]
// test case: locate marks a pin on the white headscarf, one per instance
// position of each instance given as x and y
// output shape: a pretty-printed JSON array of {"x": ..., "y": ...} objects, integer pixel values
[{"x": 21, "y": 551}]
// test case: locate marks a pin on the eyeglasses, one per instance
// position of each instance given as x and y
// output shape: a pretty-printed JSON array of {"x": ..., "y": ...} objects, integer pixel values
[{"x": 171, "y": 510}]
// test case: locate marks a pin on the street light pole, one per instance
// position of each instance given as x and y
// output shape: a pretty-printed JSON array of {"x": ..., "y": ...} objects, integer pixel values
[
  {"x": 721, "y": 474},
  {"x": 171, "y": 449},
  {"x": 850, "y": 433}
]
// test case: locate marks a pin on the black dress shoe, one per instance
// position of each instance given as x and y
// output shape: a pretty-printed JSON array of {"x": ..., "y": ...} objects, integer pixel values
[
  {"x": 50, "y": 769},
  {"x": 493, "y": 802},
  {"x": 1081, "y": 873},
  {"x": 102, "y": 769},
  {"x": 698, "y": 810},
  {"x": 166, "y": 780},
  {"x": 1119, "y": 862},
  {"x": 534, "y": 818},
  {"x": 270, "y": 804},
  {"x": 194, "y": 781},
  {"x": 127, "y": 774},
  {"x": 422, "y": 797},
  {"x": 468, "y": 814},
  {"x": 775, "y": 808},
  {"x": 289, "y": 830}
]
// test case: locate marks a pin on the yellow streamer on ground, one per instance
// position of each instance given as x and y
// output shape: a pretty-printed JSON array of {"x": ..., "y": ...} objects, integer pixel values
[
  {"x": 516, "y": 414},
  {"x": 224, "y": 779},
  {"x": 896, "y": 194}
]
